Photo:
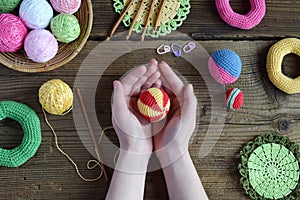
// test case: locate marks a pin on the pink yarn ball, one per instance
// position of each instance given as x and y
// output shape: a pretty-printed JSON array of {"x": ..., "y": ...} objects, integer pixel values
[
  {"x": 66, "y": 6},
  {"x": 40, "y": 45},
  {"x": 12, "y": 33}
]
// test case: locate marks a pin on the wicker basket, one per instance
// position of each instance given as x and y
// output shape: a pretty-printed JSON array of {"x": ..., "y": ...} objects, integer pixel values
[{"x": 66, "y": 52}]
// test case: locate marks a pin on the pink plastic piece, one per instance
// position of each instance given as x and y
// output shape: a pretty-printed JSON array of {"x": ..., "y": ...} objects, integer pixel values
[{"x": 163, "y": 49}]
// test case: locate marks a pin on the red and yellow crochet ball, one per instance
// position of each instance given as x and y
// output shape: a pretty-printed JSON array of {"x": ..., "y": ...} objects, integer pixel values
[{"x": 153, "y": 104}]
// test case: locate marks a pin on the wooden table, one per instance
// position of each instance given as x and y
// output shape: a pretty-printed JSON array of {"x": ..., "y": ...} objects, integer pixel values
[{"x": 49, "y": 175}]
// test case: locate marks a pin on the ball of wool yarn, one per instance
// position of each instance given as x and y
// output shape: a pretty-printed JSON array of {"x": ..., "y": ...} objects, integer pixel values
[
  {"x": 66, "y": 6},
  {"x": 36, "y": 14},
  {"x": 225, "y": 66},
  {"x": 56, "y": 97},
  {"x": 12, "y": 33},
  {"x": 65, "y": 28},
  {"x": 7, "y": 6},
  {"x": 153, "y": 104},
  {"x": 234, "y": 98},
  {"x": 40, "y": 45}
]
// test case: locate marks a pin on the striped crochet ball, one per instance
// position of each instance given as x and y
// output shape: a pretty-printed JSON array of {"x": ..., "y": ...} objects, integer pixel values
[
  {"x": 153, "y": 104},
  {"x": 225, "y": 66},
  {"x": 234, "y": 98}
]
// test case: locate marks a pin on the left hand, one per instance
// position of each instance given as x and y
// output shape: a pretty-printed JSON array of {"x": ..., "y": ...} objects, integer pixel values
[{"x": 133, "y": 131}]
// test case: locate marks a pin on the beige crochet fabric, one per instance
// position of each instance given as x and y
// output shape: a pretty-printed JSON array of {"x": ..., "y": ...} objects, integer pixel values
[{"x": 169, "y": 11}]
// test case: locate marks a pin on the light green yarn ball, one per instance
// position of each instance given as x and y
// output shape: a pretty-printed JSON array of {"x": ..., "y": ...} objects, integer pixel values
[
  {"x": 65, "y": 27},
  {"x": 7, "y": 6}
]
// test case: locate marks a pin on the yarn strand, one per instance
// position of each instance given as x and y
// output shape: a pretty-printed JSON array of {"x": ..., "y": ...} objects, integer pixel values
[
  {"x": 100, "y": 139},
  {"x": 92, "y": 133},
  {"x": 70, "y": 159}
]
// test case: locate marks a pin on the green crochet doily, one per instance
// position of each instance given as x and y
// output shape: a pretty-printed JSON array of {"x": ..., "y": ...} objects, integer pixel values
[
  {"x": 270, "y": 168},
  {"x": 30, "y": 123},
  {"x": 163, "y": 29}
]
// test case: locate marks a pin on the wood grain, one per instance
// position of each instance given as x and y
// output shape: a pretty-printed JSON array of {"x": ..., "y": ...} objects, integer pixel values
[
  {"x": 48, "y": 175},
  {"x": 204, "y": 22}
]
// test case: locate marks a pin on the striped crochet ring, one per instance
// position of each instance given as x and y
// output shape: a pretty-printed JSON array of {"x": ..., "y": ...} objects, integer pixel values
[
  {"x": 30, "y": 123},
  {"x": 248, "y": 21},
  {"x": 274, "y": 61},
  {"x": 154, "y": 104}
]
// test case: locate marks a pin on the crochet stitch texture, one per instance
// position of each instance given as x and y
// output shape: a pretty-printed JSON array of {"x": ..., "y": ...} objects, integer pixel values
[
  {"x": 270, "y": 168},
  {"x": 248, "y": 21},
  {"x": 274, "y": 60},
  {"x": 225, "y": 66},
  {"x": 153, "y": 104},
  {"x": 234, "y": 98},
  {"x": 173, "y": 16},
  {"x": 30, "y": 123}
]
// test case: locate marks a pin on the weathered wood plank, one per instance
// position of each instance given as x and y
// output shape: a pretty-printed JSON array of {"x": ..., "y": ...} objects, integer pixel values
[
  {"x": 49, "y": 175},
  {"x": 203, "y": 22}
]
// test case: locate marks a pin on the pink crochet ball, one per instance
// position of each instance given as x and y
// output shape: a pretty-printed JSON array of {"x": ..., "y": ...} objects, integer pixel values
[
  {"x": 66, "y": 6},
  {"x": 40, "y": 45},
  {"x": 225, "y": 66},
  {"x": 12, "y": 33}
]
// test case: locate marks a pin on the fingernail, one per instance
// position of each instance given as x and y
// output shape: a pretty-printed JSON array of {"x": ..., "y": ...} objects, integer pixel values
[
  {"x": 115, "y": 83},
  {"x": 192, "y": 88},
  {"x": 163, "y": 63},
  {"x": 153, "y": 60}
]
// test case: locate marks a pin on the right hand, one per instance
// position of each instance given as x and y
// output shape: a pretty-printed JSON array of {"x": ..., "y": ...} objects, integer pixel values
[{"x": 172, "y": 141}]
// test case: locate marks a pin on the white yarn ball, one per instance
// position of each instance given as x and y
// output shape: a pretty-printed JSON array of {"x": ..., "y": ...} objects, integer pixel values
[{"x": 36, "y": 14}]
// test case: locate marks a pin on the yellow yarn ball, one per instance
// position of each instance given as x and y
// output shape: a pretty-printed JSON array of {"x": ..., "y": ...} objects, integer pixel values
[{"x": 56, "y": 97}]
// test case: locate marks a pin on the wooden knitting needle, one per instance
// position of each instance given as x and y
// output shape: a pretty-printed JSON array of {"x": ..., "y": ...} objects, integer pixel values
[
  {"x": 119, "y": 20},
  {"x": 148, "y": 19},
  {"x": 158, "y": 15},
  {"x": 135, "y": 19},
  {"x": 92, "y": 134}
]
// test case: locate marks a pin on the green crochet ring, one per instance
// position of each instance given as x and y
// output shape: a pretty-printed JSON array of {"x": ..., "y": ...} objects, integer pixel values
[
  {"x": 30, "y": 123},
  {"x": 270, "y": 168}
]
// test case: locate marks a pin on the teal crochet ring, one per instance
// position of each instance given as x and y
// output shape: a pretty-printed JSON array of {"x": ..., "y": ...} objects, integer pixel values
[
  {"x": 270, "y": 168},
  {"x": 31, "y": 141}
]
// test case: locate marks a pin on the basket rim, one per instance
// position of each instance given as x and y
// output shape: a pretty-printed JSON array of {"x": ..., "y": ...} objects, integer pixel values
[{"x": 48, "y": 67}]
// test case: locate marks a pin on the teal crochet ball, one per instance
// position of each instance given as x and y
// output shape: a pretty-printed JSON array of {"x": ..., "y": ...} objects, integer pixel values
[
  {"x": 65, "y": 27},
  {"x": 31, "y": 141},
  {"x": 7, "y": 6}
]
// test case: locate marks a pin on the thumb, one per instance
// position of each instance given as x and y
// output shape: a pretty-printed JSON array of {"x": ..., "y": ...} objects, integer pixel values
[
  {"x": 189, "y": 106},
  {"x": 119, "y": 105}
]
